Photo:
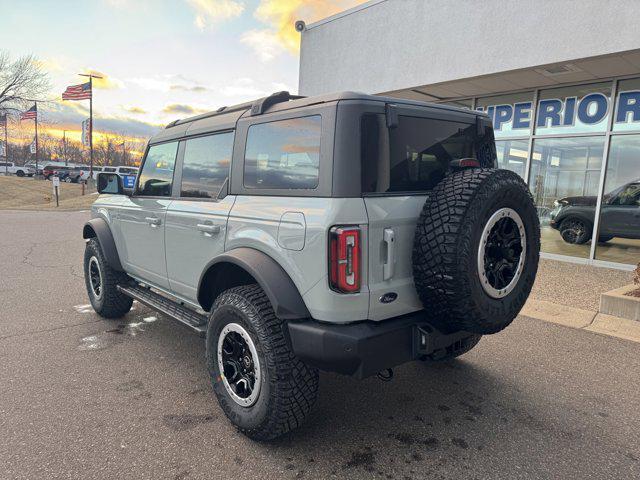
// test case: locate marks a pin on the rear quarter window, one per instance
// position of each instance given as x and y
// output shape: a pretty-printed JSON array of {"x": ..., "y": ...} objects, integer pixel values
[{"x": 284, "y": 154}]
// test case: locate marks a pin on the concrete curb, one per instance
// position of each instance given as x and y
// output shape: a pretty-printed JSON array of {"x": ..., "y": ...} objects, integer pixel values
[
  {"x": 582, "y": 319},
  {"x": 619, "y": 304}
]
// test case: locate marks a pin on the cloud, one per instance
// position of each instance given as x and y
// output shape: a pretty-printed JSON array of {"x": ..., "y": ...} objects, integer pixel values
[
  {"x": 134, "y": 110},
  {"x": 245, "y": 88},
  {"x": 71, "y": 114},
  {"x": 186, "y": 88},
  {"x": 165, "y": 83},
  {"x": 179, "y": 108},
  {"x": 106, "y": 82},
  {"x": 280, "y": 17},
  {"x": 51, "y": 64},
  {"x": 210, "y": 12},
  {"x": 265, "y": 43}
]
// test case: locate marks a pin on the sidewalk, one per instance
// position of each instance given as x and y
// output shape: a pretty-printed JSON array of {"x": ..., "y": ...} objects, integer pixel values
[{"x": 569, "y": 294}]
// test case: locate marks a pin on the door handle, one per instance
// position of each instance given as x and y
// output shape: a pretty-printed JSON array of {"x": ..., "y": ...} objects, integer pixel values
[
  {"x": 209, "y": 228},
  {"x": 389, "y": 239},
  {"x": 153, "y": 221}
]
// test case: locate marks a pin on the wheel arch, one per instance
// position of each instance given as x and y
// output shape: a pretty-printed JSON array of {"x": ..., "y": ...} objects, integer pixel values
[
  {"x": 576, "y": 214},
  {"x": 244, "y": 265},
  {"x": 99, "y": 228}
]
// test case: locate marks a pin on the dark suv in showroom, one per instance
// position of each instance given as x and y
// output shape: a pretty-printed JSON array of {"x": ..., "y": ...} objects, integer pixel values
[{"x": 573, "y": 216}]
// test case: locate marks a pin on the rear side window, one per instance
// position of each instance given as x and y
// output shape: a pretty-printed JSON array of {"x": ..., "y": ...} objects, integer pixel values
[
  {"x": 109, "y": 169},
  {"x": 156, "y": 177},
  {"x": 128, "y": 171},
  {"x": 206, "y": 165},
  {"x": 415, "y": 156},
  {"x": 284, "y": 154}
]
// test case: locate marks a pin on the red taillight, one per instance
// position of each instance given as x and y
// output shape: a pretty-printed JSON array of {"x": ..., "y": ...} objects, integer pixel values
[{"x": 344, "y": 259}]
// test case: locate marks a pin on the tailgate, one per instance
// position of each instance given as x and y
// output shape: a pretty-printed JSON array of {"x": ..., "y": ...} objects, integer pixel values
[{"x": 392, "y": 225}]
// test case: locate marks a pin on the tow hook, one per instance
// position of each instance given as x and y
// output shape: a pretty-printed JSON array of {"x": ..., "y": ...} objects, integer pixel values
[{"x": 386, "y": 375}]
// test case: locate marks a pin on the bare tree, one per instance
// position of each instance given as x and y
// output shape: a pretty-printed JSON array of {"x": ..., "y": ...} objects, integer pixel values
[{"x": 21, "y": 82}]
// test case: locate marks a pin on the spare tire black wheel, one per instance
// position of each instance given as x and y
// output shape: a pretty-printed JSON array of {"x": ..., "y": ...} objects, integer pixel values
[{"x": 476, "y": 250}]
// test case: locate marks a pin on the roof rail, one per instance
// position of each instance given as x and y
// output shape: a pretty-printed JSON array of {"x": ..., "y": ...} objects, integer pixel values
[
  {"x": 257, "y": 107},
  {"x": 262, "y": 104}
]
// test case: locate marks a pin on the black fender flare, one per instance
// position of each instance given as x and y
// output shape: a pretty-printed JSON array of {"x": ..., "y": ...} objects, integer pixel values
[
  {"x": 273, "y": 279},
  {"x": 99, "y": 228}
]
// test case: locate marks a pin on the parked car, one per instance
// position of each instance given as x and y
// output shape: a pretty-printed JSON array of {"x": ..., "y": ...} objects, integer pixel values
[
  {"x": 64, "y": 173},
  {"x": 49, "y": 170},
  {"x": 574, "y": 217},
  {"x": 348, "y": 233},
  {"x": 19, "y": 170},
  {"x": 121, "y": 170}
]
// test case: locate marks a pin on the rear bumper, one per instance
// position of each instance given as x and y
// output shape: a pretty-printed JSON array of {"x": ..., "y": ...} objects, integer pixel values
[{"x": 365, "y": 348}]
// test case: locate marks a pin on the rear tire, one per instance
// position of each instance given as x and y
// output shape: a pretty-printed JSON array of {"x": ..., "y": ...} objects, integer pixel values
[
  {"x": 476, "y": 249},
  {"x": 269, "y": 393},
  {"x": 102, "y": 283},
  {"x": 20, "y": 173}
]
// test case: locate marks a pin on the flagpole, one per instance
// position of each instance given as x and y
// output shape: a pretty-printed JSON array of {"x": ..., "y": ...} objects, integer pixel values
[
  {"x": 91, "y": 77},
  {"x": 6, "y": 146},
  {"x": 36, "y": 125},
  {"x": 91, "y": 127}
]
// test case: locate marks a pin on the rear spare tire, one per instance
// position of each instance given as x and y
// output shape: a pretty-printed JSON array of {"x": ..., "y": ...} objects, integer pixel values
[{"x": 476, "y": 249}]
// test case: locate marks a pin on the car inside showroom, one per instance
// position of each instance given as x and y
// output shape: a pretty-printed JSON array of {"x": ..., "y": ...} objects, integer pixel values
[{"x": 564, "y": 99}]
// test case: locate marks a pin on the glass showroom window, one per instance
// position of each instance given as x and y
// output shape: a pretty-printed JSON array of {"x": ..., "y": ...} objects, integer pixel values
[
  {"x": 577, "y": 109},
  {"x": 565, "y": 171},
  {"x": 627, "y": 116},
  {"x": 619, "y": 232},
  {"x": 512, "y": 155},
  {"x": 512, "y": 114}
]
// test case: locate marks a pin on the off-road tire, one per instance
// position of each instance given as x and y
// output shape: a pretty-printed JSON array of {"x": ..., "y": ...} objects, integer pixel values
[
  {"x": 452, "y": 351},
  {"x": 288, "y": 387},
  {"x": 111, "y": 303},
  {"x": 446, "y": 246}
]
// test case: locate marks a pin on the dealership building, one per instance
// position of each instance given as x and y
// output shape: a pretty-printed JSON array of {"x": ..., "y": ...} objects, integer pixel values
[{"x": 559, "y": 78}]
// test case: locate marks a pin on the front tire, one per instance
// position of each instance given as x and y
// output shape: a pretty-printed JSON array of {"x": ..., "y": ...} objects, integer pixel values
[
  {"x": 261, "y": 386},
  {"x": 102, "y": 283},
  {"x": 575, "y": 231}
]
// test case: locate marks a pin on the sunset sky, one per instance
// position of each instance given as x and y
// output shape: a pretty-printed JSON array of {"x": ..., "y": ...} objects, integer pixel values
[{"x": 162, "y": 59}]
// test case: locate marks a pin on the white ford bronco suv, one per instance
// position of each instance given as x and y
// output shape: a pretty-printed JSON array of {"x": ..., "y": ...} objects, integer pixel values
[{"x": 347, "y": 233}]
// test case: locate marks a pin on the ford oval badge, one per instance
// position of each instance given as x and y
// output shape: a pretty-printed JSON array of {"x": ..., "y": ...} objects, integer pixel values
[{"x": 388, "y": 297}]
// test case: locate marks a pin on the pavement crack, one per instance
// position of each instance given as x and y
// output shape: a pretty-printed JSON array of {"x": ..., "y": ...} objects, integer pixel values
[
  {"x": 595, "y": 314},
  {"x": 45, "y": 330},
  {"x": 31, "y": 248}
]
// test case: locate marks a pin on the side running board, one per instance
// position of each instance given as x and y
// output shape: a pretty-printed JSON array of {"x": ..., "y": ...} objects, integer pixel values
[{"x": 183, "y": 315}]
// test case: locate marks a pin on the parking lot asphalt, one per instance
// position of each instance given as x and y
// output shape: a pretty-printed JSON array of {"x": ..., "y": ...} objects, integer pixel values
[{"x": 82, "y": 397}]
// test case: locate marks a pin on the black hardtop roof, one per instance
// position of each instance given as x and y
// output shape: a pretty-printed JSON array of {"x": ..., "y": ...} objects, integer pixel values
[{"x": 284, "y": 101}]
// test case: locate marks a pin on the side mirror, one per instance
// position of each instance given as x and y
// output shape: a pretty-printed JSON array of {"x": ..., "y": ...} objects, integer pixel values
[{"x": 110, "y": 183}]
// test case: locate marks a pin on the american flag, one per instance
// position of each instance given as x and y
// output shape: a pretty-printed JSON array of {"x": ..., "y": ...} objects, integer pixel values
[
  {"x": 77, "y": 92},
  {"x": 29, "y": 114}
]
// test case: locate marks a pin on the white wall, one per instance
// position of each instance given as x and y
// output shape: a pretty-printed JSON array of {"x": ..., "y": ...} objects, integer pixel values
[{"x": 395, "y": 44}]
